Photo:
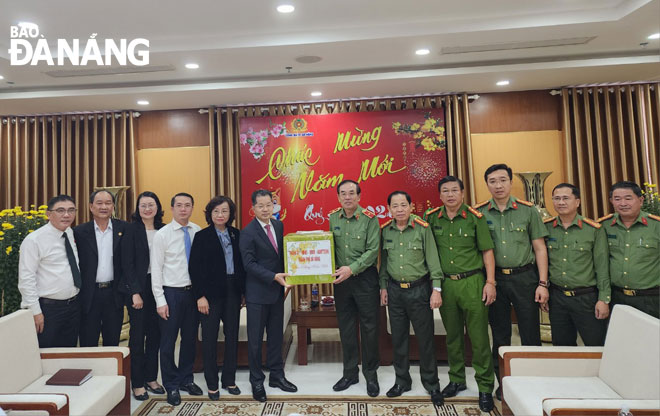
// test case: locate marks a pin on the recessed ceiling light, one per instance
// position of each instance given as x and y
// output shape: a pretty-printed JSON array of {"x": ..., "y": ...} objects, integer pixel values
[
  {"x": 316, "y": 93},
  {"x": 502, "y": 83},
  {"x": 654, "y": 36},
  {"x": 285, "y": 8},
  {"x": 1, "y": 77},
  {"x": 143, "y": 102},
  {"x": 422, "y": 52},
  {"x": 192, "y": 66}
]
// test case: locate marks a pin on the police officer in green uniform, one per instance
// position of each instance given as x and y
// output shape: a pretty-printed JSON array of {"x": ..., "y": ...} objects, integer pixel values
[
  {"x": 410, "y": 284},
  {"x": 633, "y": 237},
  {"x": 579, "y": 272},
  {"x": 356, "y": 234},
  {"x": 465, "y": 246},
  {"x": 521, "y": 262}
]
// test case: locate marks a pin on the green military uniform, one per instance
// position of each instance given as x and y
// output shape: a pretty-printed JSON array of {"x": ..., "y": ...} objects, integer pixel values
[
  {"x": 356, "y": 245},
  {"x": 515, "y": 271},
  {"x": 409, "y": 257},
  {"x": 579, "y": 276},
  {"x": 460, "y": 241},
  {"x": 635, "y": 261}
]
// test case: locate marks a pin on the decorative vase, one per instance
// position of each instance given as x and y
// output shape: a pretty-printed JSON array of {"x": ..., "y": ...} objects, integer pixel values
[{"x": 534, "y": 193}]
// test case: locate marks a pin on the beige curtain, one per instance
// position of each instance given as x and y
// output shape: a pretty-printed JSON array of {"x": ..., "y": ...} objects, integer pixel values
[
  {"x": 611, "y": 133},
  {"x": 43, "y": 156},
  {"x": 225, "y": 152}
]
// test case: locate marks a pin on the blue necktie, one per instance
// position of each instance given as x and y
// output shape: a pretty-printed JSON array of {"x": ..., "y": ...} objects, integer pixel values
[{"x": 186, "y": 241}]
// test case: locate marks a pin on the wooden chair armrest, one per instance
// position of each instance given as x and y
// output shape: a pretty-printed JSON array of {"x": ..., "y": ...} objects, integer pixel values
[
  {"x": 597, "y": 407},
  {"x": 23, "y": 402},
  {"x": 507, "y": 356},
  {"x": 118, "y": 355}
]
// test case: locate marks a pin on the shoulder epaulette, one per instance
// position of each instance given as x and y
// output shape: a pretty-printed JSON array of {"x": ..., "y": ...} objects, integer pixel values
[
  {"x": 334, "y": 210},
  {"x": 481, "y": 204},
  {"x": 475, "y": 212},
  {"x": 431, "y": 210},
  {"x": 655, "y": 217},
  {"x": 421, "y": 222},
  {"x": 591, "y": 222},
  {"x": 549, "y": 219},
  {"x": 606, "y": 217},
  {"x": 386, "y": 223},
  {"x": 368, "y": 213},
  {"x": 522, "y": 201}
]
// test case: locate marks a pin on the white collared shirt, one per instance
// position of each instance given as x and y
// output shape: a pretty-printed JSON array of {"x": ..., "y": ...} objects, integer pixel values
[
  {"x": 272, "y": 230},
  {"x": 104, "y": 269},
  {"x": 43, "y": 267},
  {"x": 169, "y": 264}
]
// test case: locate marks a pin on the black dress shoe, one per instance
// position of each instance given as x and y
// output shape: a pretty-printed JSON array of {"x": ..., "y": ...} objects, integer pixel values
[
  {"x": 397, "y": 391},
  {"x": 486, "y": 402},
  {"x": 344, "y": 383},
  {"x": 436, "y": 398},
  {"x": 214, "y": 396},
  {"x": 141, "y": 397},
  {"x": 259, "y": 393},
  {"x": 283, "y": 384},
  {"x": 373, "y": 389},
  {"x": 192, "y": 389},
  {"x": 232, "y": 390},
  {"x": 498, "y": 393},
  {"x": 157, "y": 390},
  {"x": 174, "y": 398},
  {"x": 452, "y": 389}
]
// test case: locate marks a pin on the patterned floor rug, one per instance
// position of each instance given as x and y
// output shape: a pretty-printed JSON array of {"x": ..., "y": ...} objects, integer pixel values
[{"x": 309, "y": 406}]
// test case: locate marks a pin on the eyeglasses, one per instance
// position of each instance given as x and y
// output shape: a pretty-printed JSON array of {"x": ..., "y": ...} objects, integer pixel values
[
  {"x": 146, "y": 206},
  {"x": 224, "y": 212},
  {"x": 62, "y": 211}
]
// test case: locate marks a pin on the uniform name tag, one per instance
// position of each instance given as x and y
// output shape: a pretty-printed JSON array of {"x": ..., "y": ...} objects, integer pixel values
[
  {"x": 388, "y": 241},
  {"x": 611, "y": 235},
  {"x": 552, "y": 239},
  {"x": 337, "y": 228},
  {"x": 489, "y": 222}
]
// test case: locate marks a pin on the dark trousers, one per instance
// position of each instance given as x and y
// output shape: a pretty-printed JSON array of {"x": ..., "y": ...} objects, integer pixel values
[
  {"x": 570, "y": 315},
  {"x": 104, "y": 318},
  {"x": 408, "y": 306},
  {"x": 271, "y": 318},
  {"x": 228, "y": 310},
  {"x": 183, "y": 318},
  {"x": 649, "y": 304},
  {"x": 143, "y": 339},
  {"x": 61, "y": 323},
  {"x": 517, "y": 290},
  {"x": 358, "y": 298}
]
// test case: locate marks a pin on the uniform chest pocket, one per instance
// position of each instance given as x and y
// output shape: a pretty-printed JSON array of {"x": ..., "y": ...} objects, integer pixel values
[
  {"x": 552, "y": 244},
  {"x": 519, "y": 228},
  {"x": 518, "y": 233},
  {"x": 614, "y": 244},
  {"x": 649, "y": 243},
  {"x": 415, "y": 251},
  {"x": 581, "y": 246},
  {"x": 438, "y": 230},
  {"x": 358, "y": 240},
  {"x": 465, "y": 237},
  {"x": 388, "y": 245}
]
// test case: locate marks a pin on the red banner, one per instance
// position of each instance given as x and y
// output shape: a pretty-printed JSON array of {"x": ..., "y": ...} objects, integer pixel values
[{"x": 302, "y": 159}]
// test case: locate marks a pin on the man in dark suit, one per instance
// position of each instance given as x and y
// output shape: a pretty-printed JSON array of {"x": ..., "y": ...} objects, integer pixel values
[
  {"x": 262, "y": 249},
  {"x": 99, "y": 251}
]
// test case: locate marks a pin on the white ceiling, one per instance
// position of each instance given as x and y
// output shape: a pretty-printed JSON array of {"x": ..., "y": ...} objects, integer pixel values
[{"x": 367, "y": 49}]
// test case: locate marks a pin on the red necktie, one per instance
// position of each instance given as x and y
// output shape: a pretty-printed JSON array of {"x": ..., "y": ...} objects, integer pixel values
[{"x": 271, "y": 237}]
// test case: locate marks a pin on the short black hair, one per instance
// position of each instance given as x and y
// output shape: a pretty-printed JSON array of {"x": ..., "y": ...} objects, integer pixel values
[
  {"x": 182, "y": 194},
  {"x": 158, "y": 218},
  {"x": 626, "y": 185},
  {"x": 345, "y": 181},
  {"x": 219, "y": 200},
  {"x": 59, "y": 198},
  {"x": 261, "y": 192},
  {"x": 574, "y": 189},
  {"x": 450, "y": 178},
  {"x": 498, "y": 166},
  {"x": 98, "y": 191},
  {"x": 404, "y": 193}
]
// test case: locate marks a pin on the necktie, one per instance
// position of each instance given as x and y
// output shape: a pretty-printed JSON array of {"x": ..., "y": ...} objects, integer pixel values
[
  {"x": 77, "y": 281},
  {"x": 271, "y": 238},
  {"x": 186, "y": 241}
]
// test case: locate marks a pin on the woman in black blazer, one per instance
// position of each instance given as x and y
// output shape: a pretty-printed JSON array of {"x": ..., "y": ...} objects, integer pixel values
[
  {"x": 144, "y": 334},
  {"x": 218, "y": 283}
]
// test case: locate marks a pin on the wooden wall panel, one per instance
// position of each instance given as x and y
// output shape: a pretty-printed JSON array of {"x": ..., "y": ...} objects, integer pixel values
[
  {"x": 172, "y": 128},
  {"x": 515, "y": 111}
]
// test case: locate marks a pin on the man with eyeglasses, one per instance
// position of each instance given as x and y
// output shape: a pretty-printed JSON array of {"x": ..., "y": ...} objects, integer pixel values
[
  {"x": 578, "y": 272},
  {"x": 175, "y": 303},
  {"x": 99, "y": 251},
  {"x": 49, "y": 278}
]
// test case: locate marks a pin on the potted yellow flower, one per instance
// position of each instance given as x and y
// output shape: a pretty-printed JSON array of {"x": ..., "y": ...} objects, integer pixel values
[{"x": 651, "y": 200}]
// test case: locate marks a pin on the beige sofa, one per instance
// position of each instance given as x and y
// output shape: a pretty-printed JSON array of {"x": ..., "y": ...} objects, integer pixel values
[
  {"x": 588, "y": 380},
  {"x": 24, "y": 370}
]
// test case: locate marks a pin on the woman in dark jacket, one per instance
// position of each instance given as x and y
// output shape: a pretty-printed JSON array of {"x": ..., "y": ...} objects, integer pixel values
[
  {"x": 218, "y": 283},
  {"x": 144, "y": 334}
]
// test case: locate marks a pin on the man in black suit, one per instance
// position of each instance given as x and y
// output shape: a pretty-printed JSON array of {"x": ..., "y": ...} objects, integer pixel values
[
  {"x": 99, "y": 251},
  {"x": 262, "y": 249}
]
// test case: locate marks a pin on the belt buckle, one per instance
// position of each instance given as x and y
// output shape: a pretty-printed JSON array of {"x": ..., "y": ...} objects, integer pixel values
[
  {"x": 569, "y": 292},
  {"x": 506, "y": 271},
  {"x": 455, "y": 276},
  {"x": 404, "y": 285},
  {"x": 629, "y": 292}
]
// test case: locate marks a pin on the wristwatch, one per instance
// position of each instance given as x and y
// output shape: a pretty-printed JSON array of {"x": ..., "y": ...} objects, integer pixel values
[
  {"x": 544, "y": 283},
  {"x": 437, "y": 289}
]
